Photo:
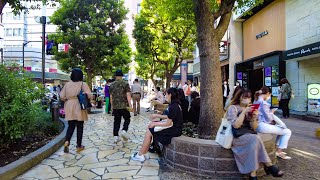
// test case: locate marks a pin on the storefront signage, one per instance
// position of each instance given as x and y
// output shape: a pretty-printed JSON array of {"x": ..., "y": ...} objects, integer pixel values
[
  {"x": 264, "y": 33},
  {"x": 302, "y": 51},
  {"x": 313, "y": 91}
]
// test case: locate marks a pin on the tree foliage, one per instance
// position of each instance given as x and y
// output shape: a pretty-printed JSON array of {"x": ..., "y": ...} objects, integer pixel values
[
  {"x": 212, "y": 19},
  {"x": 95, "y": 31},
  {"x": 163, "y": 38}
]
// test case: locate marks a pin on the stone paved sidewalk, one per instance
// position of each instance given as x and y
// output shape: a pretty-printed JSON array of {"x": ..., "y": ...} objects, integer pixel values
[{"x": 102, "y": 158}]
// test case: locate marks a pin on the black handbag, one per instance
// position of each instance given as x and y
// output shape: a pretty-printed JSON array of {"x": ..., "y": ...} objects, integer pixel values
[
  {"x": 241, "y": 131},
  {"x": 83, "y": 100}
]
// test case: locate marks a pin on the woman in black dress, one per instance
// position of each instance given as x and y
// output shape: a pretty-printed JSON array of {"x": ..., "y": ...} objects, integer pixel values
[{"x": 164, "y": 136}]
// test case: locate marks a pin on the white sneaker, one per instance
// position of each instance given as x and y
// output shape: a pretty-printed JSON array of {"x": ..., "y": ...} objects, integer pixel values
[
  {"x": 116, "y": 139},
  {"x": 124, "y": 135},
  {"x": 137, "y": 157}
]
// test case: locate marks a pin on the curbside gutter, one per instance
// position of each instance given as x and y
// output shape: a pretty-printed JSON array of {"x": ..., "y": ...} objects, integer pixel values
[{"x": 23, "y": 164}]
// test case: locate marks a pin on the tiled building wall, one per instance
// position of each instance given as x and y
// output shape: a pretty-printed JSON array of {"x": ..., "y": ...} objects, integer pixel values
[{"x": 303, "y": 28}]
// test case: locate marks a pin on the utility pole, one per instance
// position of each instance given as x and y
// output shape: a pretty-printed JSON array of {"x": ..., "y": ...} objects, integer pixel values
[
  {"x": 23, "y": 45},
  {"x": 43, "y": 22}
]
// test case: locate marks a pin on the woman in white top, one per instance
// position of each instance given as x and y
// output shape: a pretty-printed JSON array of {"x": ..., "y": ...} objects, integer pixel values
[{"x": 267, "y": 122}]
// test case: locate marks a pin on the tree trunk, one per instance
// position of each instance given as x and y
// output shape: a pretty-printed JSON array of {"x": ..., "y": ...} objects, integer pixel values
[
  {"x": 168, "y": 78},
  {"x": 2, "y": 4},
  {"x": 211, "y": 85},
  {"x": 154, "y": 83},
  {"x": 89, "y": 77}
]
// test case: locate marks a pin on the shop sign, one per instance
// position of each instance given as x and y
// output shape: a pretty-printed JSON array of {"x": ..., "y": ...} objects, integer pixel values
[
  {"x": 302, "y": 51},
  {"x": 313, "y": 91},
  {"x": 264, "y": 33}
]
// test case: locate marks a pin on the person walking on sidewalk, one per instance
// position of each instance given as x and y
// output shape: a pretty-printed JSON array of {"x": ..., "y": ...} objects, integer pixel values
[
  {"x": 120, "y": 98},
  {"x": 137, "y": 95},
  {"x": 73, "y": 113},
  {"x": 107, "y": 96},
  {"x": 285, "y": 94}
]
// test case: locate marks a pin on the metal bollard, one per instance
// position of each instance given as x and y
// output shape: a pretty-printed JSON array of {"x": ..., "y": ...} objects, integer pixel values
[{"x": 55, "y": 111}]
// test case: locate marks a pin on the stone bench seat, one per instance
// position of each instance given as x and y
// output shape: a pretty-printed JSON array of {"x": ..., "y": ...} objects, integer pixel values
[{"x": 207, "y": 158}]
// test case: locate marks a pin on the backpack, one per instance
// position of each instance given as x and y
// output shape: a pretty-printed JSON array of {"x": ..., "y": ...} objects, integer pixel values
[{"x": 188, "y": 92}]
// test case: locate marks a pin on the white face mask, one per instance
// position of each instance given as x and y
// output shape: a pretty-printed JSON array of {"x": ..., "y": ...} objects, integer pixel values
[
  {"x": 237, "y": 84},
  {"x": 268, "y": 98},
  {"x": 245, "y": 101},
  {"x": 225, "y": 83}
]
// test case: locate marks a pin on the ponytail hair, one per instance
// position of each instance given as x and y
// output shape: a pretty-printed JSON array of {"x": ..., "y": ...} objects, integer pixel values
[{"x": 263, "y": 90}]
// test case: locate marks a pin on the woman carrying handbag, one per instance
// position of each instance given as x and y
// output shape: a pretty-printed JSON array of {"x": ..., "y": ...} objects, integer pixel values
[
  {"x": 247, "y": 146},
  {"x": 74, "y": 114}
]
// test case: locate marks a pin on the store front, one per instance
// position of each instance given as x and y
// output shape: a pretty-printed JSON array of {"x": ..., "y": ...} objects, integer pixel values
[
  {"x": 263, "y": 45},
  {"x": 266, "y": 70},
  {"x": 303, "y": 72}
]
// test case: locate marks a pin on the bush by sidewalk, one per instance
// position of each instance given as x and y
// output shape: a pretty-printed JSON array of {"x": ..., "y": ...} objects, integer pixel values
[{"x": 18, "y": 108}]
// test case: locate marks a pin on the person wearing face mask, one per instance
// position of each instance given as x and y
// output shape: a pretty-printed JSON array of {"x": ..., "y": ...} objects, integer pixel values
[
  {"x": 247, "y": 147},
  {"x": 271, "y": 124},
  {"x": 225, "y": 91}
]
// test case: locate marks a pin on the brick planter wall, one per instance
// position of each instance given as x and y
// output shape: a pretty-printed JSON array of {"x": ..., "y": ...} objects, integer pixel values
[{"x": 207, "y": 158}]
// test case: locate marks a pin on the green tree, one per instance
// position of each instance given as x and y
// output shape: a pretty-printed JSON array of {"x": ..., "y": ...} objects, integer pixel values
[
  {"x": 95, "y": 31},
  {"x": 212, "y": 19},
  {"x": 164, "y": 37}
]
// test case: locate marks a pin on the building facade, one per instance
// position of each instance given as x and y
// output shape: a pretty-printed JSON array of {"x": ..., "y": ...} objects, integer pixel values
[
  {"x": 24, "y": 30},
  {"x": 263, "y": 43},
  {"x": 302, "y": 54}
]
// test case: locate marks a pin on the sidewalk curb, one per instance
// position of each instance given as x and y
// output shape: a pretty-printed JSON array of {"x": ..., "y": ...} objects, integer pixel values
[
  {"x": 302, "y": 117},
  {"x": 23, "y": 164}
]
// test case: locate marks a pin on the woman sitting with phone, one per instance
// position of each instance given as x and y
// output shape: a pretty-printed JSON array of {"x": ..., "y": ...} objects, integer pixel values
[
  {"x": 247, "y": 146},
  {"x": 271, "y": 124}
]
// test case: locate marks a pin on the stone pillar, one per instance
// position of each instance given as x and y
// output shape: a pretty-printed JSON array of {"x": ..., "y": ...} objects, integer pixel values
[
  {"x": 184, "y": 71},
  {"x": 236, "y": 49}
]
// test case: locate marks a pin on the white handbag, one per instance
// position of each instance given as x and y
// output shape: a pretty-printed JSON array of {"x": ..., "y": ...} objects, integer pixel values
[
  {"x": 224, "y": 136},
  {"x": 160, "y": 128}
]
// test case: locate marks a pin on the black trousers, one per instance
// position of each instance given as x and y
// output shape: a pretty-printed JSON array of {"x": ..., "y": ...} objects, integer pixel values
[
  {"x": 72, "y": 125},
  {"x": 118, "y": 114},
  {"x": 285, "y": 107},
  {"x": 224, "y": 100}
]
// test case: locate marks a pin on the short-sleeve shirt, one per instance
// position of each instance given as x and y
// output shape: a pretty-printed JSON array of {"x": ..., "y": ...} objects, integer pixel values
[
  {"x": 119, "y": 90},
  {"x": 175, "y": 114}
]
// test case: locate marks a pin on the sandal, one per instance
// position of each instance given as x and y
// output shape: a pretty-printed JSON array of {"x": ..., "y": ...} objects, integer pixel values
[
  {"x": 66, "y": 147},
  {"x": 80, "y": 148},
  {"x": 274, "y": 171},
  {"x": 283, "y": 156}
]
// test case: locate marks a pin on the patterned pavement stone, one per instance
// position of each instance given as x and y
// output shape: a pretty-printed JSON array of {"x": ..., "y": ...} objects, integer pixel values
[{"x": 102, "y": 158}]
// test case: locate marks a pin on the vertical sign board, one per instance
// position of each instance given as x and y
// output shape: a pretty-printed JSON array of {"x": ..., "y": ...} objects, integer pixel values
[{"x": 314, "y": 98}]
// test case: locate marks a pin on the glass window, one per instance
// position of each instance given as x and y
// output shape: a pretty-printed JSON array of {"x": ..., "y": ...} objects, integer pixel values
[
  {"x": 8, "y": 31},
  {"x": 17, "y": 17},
  {"x": 9, "y": 16},
  {"x": 17, "y": 32}
]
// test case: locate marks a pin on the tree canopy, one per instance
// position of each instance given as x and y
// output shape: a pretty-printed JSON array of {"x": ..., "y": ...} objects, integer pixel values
[
  {"x": 163, "y": 38},
  {"x": 95, "y": 31}
]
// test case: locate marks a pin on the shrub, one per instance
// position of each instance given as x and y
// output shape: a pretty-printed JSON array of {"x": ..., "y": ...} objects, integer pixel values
[
  {"x": 44, "y": 126},
  {"x": 18, "y": 109}
]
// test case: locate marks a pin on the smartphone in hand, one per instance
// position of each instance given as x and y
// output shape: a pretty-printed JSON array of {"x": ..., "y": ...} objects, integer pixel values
[{"x": 254, "y": 107}]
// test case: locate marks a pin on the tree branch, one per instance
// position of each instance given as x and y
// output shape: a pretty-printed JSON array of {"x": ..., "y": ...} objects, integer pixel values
[{"x": 223, "y": 26}]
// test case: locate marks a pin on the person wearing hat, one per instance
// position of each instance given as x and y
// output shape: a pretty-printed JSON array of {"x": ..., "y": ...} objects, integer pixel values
[{"x": 120, "y": 98}]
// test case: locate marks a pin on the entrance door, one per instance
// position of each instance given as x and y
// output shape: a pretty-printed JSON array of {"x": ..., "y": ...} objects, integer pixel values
[{"x": 255, "y": 80}]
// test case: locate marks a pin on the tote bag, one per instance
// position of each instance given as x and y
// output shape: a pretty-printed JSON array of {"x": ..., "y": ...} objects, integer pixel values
[
  {"x": 83, "y": 100},
  {"x": 224, "y": 136}
]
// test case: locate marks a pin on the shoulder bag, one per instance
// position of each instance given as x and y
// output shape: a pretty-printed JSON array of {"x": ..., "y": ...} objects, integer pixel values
[
  {"x": 224, "y": 136},
  {"x": 83, "y": 100}
]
